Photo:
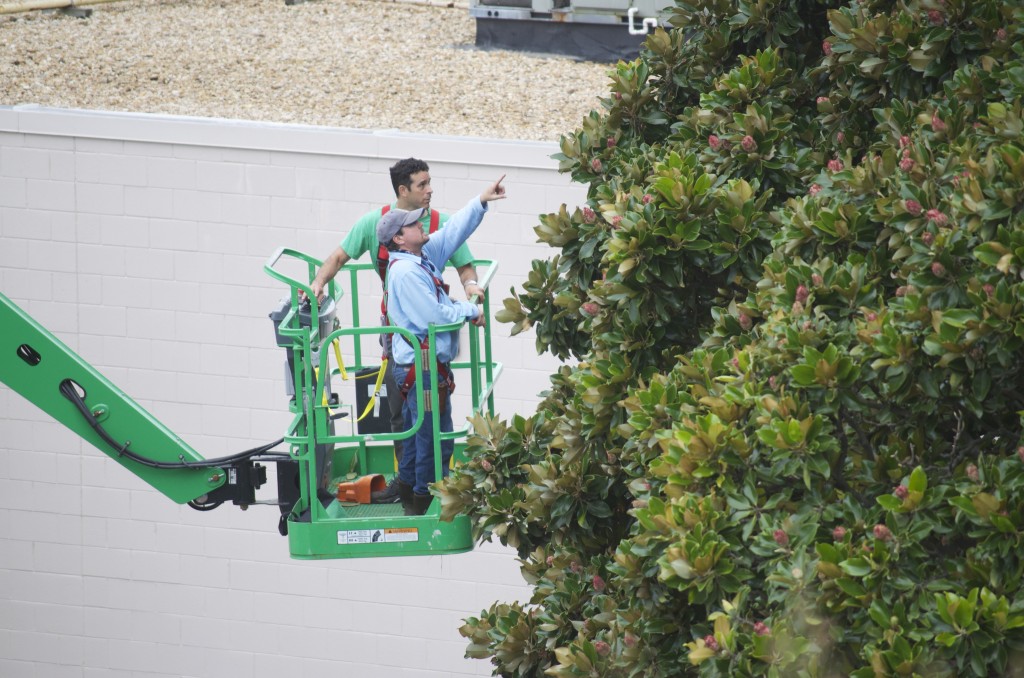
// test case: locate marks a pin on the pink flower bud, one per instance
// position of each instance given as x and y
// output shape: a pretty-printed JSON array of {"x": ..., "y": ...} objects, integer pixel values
[
  {"x": 616, "y": 221},
  {"x": 839, "y": 533},
  {"x": 882, "y": 532},
  {"x": 928, "y": 238},
  {"x": 647, "y": 198},
  {"x": 822, "y": 100},
  {"x": 817, "y": 280},
  {"x": 761, "y": 629},
  {"x": 938, "y": 217},
  {"x": 904, "y": 141},
  {"x": 835, "y": 165},
  {"x": 802, "y": 293},
  {"x": 773, "y": 382},
  {"x": 871, "y": 316},
  {"x": 588, "y": 215},
  {"x": 590, "y": 308},
  {"x": 714, "y": 142},
  {"x": 745, "y": 322},
  {"x": 629, "y": 640},
  {"x": 1020, "y": 452},
  {"x": 814, "y": 190},
  {"x": 913, "y": 207},
  {"x": 901, "y": 492},
  {"x": 550, "y": 561},
  {"x": 906, "y": 164},
  {"x": 486, "y": 465},
  {"x": 711, "y": 643},
  {"x": 937, "y": 124},
  {"x": 611, "y": 142},
  {"x": 780, "y": 537},
  {"x": 989, "y": 289},
  {"x": 618, "y": 96},
  {"x": 575, "y": 567},
  {"x": 826, "y": 47},
  {"x": 596, "y": 165},
  {"x": 840, "y": 137},
  {"x": 602, "y": 648},
  {"x": 1001, "y": 34},
  {"x": 598, "y": 583},
  {"x": 972, "y": 473},
  {"x": 748, "y": 144},
  {"x": 935, "y": 17},
  {"x": 938, "y": 270}
]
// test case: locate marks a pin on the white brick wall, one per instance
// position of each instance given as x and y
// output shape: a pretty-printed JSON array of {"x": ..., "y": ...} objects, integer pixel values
[{"x": 140, "y": 241}]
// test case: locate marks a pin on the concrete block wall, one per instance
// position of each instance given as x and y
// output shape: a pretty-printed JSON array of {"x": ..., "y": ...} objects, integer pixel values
[{"x": 140, "y": 242}]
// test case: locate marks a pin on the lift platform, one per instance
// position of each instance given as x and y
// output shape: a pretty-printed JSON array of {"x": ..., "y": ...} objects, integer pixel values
[{"x": 326, "y": 448}]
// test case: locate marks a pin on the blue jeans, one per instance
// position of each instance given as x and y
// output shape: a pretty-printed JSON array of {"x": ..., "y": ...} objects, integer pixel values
[{"x": 417, "y": 465}]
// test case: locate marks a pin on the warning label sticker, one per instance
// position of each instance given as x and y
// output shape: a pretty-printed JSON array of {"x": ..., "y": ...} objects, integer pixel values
[
  {"x": 401, "y": 534},
  {"x": 389, "y": 534}
]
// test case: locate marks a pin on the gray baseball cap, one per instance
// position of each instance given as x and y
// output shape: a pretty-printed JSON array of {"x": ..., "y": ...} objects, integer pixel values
[{"x": 392, "y": 222}]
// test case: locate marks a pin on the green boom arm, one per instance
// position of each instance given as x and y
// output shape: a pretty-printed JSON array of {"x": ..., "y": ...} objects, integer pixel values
[{"x": 36, "y": 364}]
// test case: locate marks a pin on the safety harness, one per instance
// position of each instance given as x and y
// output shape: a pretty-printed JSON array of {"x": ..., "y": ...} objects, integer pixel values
[
  {"x": 383, "y": 263},
  {"x": 445, "y": 378},
  {"x": 383, "y": 258}
]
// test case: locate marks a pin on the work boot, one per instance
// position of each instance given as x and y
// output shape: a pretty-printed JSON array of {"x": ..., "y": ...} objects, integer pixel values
[
  {"x": 420, "y": 503},
  {"x": 389, "y": 495},
  {"x": 405, "y": 494}
]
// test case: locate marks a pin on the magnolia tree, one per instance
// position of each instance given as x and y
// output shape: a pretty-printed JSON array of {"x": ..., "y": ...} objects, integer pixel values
[{"x": 788, "y": 438}]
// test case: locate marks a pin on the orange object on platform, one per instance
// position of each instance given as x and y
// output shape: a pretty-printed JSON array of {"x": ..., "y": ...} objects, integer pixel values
[{"x": 359, "y": 490}]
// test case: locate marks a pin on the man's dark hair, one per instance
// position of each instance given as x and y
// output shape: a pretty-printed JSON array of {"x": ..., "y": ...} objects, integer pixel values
[{"x": 402, "y": 171}]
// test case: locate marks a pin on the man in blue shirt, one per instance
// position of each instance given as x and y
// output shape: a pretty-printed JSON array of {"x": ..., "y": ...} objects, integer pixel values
[{"x": 417, "y": 298}]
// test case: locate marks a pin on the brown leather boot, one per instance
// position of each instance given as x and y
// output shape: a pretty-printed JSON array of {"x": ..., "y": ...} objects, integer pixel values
[{"x": 420, "y": 503}]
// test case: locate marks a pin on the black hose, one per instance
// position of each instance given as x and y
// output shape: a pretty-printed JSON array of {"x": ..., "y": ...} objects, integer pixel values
[{"x": 70, "y": 390}]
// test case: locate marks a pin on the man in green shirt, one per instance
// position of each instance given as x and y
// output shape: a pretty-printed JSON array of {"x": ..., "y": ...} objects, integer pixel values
[{"x": 410, "y": 179}]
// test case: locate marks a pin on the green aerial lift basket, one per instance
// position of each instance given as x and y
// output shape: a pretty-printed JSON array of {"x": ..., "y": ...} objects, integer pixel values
[
  {"x": 41, "y": 368},
  {"x": 320, "y": 525}
]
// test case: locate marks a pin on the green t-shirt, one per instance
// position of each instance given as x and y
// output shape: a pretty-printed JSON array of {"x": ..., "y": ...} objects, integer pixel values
[{"x": 363, "y": 238}]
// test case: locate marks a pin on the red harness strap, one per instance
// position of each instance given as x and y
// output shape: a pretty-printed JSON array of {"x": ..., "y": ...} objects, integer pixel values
[{"x": 445, "y": 378}]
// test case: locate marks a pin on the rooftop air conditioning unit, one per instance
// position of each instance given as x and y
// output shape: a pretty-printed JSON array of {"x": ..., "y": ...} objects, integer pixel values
[{"x": 596, "y": 30}]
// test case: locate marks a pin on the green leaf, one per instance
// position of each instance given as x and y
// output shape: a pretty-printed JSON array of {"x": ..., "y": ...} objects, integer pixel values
[
  {"x": 918, "y": 481},
  {"x": 851, "y": 587},
  {"x": 889, "y": 502},
  {"x": 856, "y": 567}
]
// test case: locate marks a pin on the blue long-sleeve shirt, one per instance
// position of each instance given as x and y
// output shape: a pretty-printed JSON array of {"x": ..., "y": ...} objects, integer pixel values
[{"x": 413, "y": 300}]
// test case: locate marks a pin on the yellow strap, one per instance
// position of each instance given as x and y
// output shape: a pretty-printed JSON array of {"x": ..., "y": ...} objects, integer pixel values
[
  {"x": 341, "y": 363},
  {"x": 316, "y": 374},
  {"x": 344, "y": 376},
  {"x": 376, "y": 390}
]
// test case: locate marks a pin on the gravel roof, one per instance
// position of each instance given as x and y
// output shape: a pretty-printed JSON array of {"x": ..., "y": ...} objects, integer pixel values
[{"x": 364, "y": 64}]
